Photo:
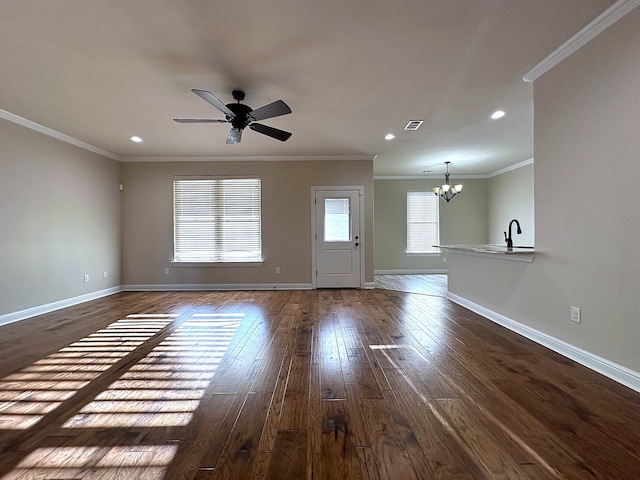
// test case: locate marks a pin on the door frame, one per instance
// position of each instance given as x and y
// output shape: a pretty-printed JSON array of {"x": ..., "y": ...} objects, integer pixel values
[{"x": 314, "y": 254}]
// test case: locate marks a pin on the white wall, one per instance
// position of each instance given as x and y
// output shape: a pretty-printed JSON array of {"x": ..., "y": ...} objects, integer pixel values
[
  {"x": 509, "y": 196},
  {"x": 60, "y": 215}
]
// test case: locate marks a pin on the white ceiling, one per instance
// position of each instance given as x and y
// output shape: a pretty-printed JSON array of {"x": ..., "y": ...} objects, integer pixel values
[{"x": 351, "y": 71}]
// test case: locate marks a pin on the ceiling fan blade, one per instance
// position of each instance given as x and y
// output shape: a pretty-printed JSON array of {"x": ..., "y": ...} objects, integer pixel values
[
  {"x": 213, "y": 100},
  {"x": 271, "y": 110},
  {"x": 270, "y": 131},
  {"x": 199, "y": 120},
  {"x": 235, "y": 135}
]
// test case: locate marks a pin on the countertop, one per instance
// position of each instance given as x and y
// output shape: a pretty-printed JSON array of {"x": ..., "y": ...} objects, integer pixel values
[{"x": 517, "y": 252}]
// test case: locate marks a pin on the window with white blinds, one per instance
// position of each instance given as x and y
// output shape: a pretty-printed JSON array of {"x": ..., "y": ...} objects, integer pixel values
[
  {"x": 217, "y": 220},
  {"x": 423, "y": 218},
  {"x": 337, "y": 220}
]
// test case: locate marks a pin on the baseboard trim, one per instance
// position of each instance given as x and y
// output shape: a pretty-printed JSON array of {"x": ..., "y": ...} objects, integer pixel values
[
  {"x": 51, "y": 307},
  {"x": 420, "y": 271},
  {"x": 369, "y": 285},
  {"x": 186, "y": 287},
  {"x": 616, "y": 372}
]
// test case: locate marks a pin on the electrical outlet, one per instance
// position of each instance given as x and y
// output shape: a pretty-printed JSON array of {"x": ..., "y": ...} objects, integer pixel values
[
  {"x": 104, "y": 275},
  {"x": 166, "y": 271},
  {"x": 575, "y": 314},
  {"x": 86, "y": 278},
  {"x": 277, "y": 269}
]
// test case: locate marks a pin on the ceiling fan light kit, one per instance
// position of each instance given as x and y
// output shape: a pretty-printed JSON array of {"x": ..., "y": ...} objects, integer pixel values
[
  {"x": 241, "y": 116},
  {"x": 446, "y": 191}
]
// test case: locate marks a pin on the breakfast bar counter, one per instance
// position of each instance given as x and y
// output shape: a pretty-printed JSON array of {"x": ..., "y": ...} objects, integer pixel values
[{"x": 516, "y": 253}]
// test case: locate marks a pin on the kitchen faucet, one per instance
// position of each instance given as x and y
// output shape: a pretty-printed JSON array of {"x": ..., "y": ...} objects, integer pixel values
[{"x": 508, "y": 239}]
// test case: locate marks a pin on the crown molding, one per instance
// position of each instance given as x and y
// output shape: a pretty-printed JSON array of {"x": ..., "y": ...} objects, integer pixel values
[
  {"x": 511, "y": 168},
  {"x": 274, "y": 158},
  {"x": 12, "y": 117},
  {"x": 425, "y": 177},
  {"x": 607, "y": 18}
]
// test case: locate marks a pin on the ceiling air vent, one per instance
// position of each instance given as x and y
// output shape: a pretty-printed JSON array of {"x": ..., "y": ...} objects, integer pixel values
[{"x": 414, "y": 124}]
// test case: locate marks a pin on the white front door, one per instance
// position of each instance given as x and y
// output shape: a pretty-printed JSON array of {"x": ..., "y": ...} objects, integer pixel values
[{"x": 337, "y": 238}]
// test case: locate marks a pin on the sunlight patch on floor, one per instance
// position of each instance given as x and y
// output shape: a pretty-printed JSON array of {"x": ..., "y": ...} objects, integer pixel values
[
  {"x": 165, "y": 387},
  {"x": 148, "y": 462},
  {"x": 26, "y": 396}
]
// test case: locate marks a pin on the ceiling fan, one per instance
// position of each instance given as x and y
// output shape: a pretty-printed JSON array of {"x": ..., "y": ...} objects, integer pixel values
[{"x": 241, "y": 116}]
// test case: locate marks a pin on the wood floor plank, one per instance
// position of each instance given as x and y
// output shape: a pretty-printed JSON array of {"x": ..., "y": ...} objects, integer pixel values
[
  {"x": 388, "y": 447},
  {"x": 295, "y": 408},
  {"x": 331, "y": 365},
  {"x": 338, "y": 444},
  {"x": 240, "y": 451},
  {"x": 289, "y": 458},
  {"x": 369, "y": 466},
  {"x": 272, "y": 422},
  {"x": 198, "y": 442}
]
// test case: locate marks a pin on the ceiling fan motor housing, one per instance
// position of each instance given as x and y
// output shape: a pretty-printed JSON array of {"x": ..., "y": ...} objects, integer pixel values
[{"x": 241, "y": 112}]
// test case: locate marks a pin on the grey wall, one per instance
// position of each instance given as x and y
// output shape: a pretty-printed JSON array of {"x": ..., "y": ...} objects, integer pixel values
[
  {"x": 587, "y": 148},
  {"x": 147, "y": 245},
  {"x": 60, "y": 215},
  {"x": 586, "y": 177},
  {"x": 462, "y": 220},
  {"x": 509, "y": 196}
]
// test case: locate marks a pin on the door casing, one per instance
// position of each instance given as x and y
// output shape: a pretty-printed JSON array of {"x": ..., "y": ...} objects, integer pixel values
[{"x": 314, "y": 233}]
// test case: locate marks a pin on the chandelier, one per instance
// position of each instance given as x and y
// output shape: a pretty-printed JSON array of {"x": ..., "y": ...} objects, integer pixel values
[{"x": 446, "y": 191}]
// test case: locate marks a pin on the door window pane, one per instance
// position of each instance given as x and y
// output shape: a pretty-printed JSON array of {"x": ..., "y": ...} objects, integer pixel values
[{"x": 337, "y": 220}]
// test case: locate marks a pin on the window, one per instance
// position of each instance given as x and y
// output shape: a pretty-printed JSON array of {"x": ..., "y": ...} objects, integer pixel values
[
  {"x": 337, "y": 220},
  {"x": 217, "y": 220},
  {"x": 423, "y": 229}
]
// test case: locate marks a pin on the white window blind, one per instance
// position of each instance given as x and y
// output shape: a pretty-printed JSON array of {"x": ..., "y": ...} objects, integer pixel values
[
  {"x": 337, "y": 220},
  {"x": 217, "y": 220},
  {"x": 423, "y": 217}
]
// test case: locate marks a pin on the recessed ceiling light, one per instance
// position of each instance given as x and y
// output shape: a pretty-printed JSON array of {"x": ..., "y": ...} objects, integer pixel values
[
  {"x": 136, "y": 139},
  {"x": 389, "y": 136},
  {"x": 497, "y": 114}
]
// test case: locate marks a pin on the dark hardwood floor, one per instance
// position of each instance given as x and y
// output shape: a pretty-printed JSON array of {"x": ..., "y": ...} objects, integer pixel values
[{"x": 324, "y": 384}]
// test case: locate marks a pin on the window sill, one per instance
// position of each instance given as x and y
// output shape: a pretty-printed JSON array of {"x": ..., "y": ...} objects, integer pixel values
[
  {"x": 257, "y": 263},
  {"x": 425, "y": 254}
]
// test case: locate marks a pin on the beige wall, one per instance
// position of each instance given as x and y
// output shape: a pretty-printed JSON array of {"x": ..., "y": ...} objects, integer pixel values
[
  {"x": 509, "y": 196},
  {"x": 147, "y": 246},
  {"x": 60, "y": 216},
  {"x": 462, "y": 220},
  {"x": 587, "y": 172}
]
